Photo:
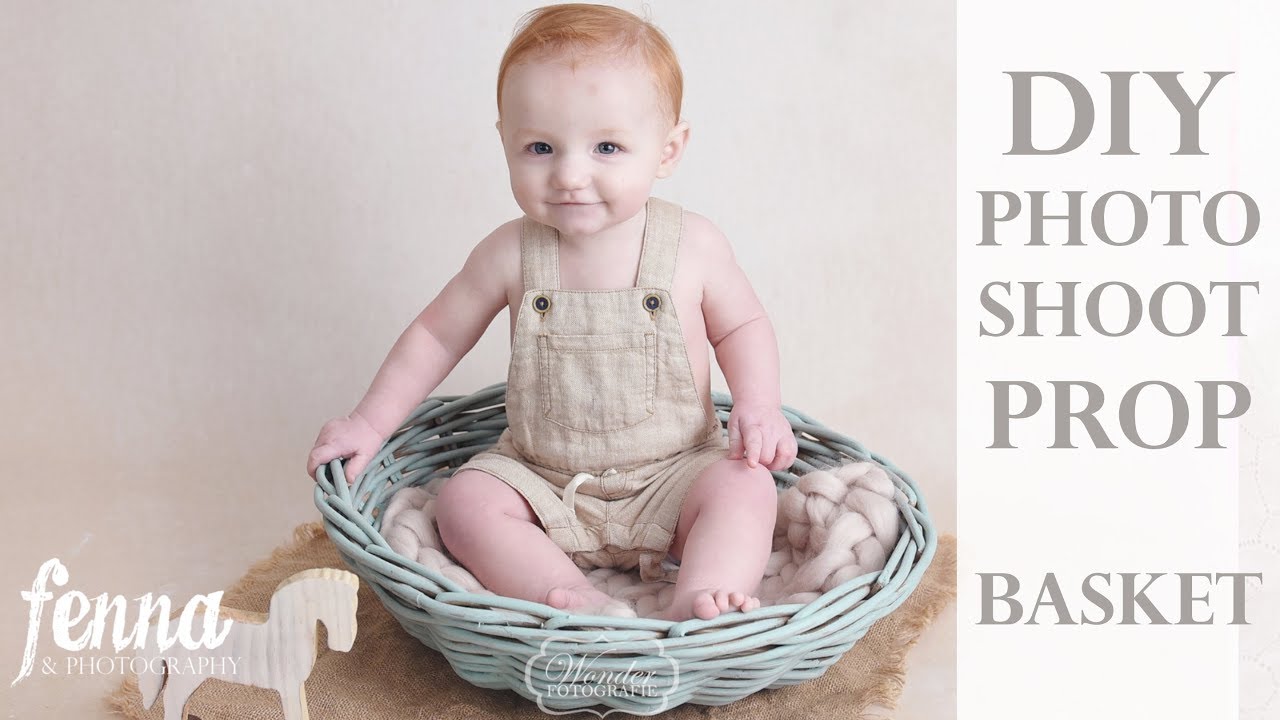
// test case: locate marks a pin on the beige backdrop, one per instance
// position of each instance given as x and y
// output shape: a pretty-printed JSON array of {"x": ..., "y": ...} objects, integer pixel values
[{"x": 216, "y": 217}]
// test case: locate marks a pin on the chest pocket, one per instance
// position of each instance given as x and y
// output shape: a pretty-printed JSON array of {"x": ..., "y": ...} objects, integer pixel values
[{"x": 598, "y": 383}]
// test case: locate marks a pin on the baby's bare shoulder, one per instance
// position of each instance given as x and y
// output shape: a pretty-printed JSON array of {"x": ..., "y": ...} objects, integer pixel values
[
  {"x": 702, "y": 243},
  {"x": 500, "y": 246},
  {"x": 495, "y": 260},
  {"x": 702, "y": 240}
]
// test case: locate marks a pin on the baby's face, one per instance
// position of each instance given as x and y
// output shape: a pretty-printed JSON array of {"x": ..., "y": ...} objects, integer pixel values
[{"x": 584, "y": 145}]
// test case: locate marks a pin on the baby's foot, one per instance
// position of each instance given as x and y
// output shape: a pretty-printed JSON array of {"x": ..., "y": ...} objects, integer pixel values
[
  {"x": 707, "y": 604},
  {"x": 586, "y": 600}
]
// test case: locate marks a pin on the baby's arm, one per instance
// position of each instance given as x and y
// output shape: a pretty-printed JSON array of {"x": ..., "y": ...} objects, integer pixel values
[
  {"x": 425, "y": 353},
  {"x": 747, "y": 351}
]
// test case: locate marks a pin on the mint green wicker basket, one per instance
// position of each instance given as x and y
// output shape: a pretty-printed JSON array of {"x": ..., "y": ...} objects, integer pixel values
[{"x": 498, "y": 642}]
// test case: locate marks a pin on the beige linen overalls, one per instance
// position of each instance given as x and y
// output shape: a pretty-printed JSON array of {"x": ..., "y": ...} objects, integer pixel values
[{"x": 606, "y": 429}]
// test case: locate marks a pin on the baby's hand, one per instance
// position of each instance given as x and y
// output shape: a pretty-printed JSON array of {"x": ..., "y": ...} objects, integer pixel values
[
  {"x": 762, "y": 435},
  {"x": 345, "y": 437}
]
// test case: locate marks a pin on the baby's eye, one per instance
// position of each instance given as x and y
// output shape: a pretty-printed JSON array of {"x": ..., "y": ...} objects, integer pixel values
[
  {"x": 607, "y": 148},
  {"x": 539, "y": 148}
]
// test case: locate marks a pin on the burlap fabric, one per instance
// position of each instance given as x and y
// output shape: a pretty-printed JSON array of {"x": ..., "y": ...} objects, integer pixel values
[{"x": 388, "y": 675}]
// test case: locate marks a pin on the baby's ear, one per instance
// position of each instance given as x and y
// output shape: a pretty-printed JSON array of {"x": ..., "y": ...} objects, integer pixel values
[
  {"x": 498, "y": 126},
  {"x": 673, "y": 150}
]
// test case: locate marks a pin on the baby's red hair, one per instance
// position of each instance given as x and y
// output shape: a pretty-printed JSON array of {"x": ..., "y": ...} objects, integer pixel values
[{"x": 592, "y": 30}]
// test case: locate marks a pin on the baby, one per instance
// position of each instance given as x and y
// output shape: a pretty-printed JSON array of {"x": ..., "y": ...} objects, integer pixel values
[{"x": 613, "y": 455}]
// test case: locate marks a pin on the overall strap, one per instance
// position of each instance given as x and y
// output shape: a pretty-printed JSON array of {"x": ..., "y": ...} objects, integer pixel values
[
  {"x": 664, "y": 222},
  {"x": 539, "y": 255}
]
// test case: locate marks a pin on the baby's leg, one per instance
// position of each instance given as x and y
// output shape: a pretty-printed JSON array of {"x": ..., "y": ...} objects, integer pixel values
[
  {"x": 723, "y": 540},
  {"x": 491, "y": 529}
]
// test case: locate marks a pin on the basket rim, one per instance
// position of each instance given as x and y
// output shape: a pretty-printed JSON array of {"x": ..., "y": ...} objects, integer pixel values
[{"x": 338, "y": 501}]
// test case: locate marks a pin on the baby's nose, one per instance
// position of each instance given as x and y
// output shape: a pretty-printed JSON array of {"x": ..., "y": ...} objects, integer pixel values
[{"x": 570, "y": 174}]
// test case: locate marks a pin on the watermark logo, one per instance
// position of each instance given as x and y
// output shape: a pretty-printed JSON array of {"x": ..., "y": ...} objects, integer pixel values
[
  {"x": 70, "y": 632},
  {"x": 566, "y": 674}
]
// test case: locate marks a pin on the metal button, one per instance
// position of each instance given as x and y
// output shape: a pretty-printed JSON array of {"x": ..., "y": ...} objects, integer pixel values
[
  {"x": 541, "y": 304},
  {"x": 652, "y": 303}
]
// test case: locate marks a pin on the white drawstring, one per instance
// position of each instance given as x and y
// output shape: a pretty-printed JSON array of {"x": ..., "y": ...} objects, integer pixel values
[{"x": 571, "y": 490}]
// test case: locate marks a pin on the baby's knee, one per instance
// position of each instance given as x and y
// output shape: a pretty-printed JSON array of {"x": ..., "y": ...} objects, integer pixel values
[
  {"x": 471, "y": 498},
  {"x": 733, "y": 481},
  {"x": 760, "y": 490}
]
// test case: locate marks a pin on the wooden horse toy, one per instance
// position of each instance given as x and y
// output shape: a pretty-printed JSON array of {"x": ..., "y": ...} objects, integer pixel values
[{"x": 274, "y": 650}]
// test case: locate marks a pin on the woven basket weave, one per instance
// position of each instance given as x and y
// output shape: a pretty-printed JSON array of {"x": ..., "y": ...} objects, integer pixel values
[{"x": 531, "y": 648}]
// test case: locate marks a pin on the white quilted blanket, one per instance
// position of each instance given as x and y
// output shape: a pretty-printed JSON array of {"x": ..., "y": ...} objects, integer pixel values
[{"x": 833, "y": 525}]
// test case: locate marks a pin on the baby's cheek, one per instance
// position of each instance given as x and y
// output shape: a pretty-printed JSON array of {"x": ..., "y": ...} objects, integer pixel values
[{"x": 525, "y": 198}]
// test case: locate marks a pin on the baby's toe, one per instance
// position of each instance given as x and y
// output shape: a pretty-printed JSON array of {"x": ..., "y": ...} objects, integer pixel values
[
  {"x": 704, "y": 606},
  {"x": 751, "y": 604},
  {"x": 736, "y": 599},
  {"x": 722, "y": 600},
  {"x": 558, "y": 598}
]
